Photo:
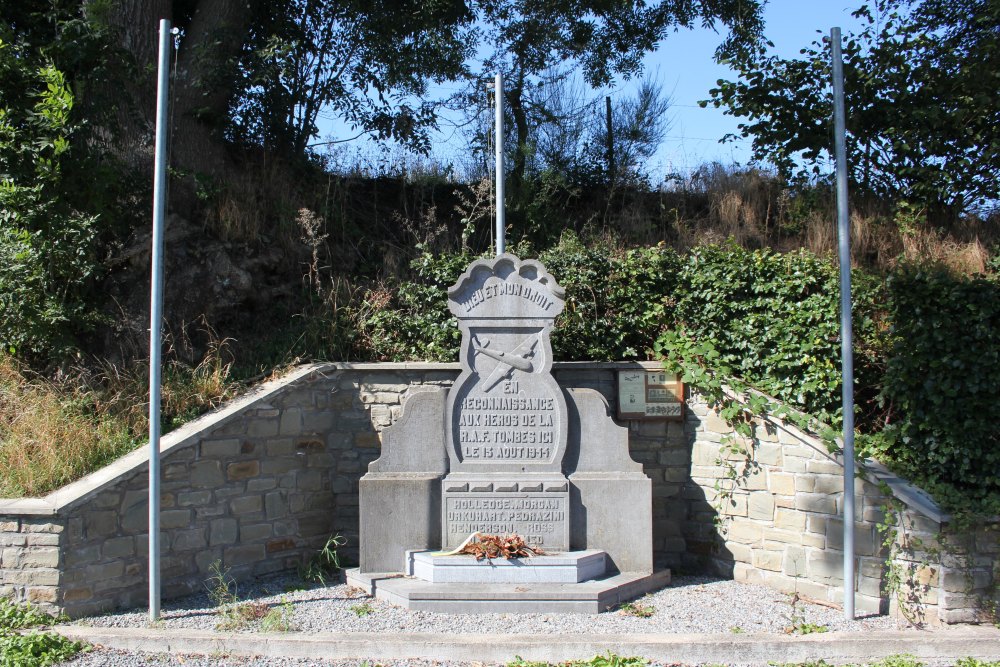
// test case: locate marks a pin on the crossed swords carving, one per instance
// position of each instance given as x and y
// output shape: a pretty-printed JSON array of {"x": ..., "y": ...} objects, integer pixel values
[{"x": 519, "y": 358}]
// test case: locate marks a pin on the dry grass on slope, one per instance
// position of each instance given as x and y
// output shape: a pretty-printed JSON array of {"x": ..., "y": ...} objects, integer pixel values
[{"x": 55, "y": 431}]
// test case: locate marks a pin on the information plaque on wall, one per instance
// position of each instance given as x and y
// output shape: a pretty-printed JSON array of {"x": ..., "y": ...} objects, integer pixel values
[{"x": 646, "y": 394}]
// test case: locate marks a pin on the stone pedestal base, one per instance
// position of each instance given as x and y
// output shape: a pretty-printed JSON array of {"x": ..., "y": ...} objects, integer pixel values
[
  {"x": 399, "y": 511},
  {"x": 589, "y": 597},
  {"x": 568, "y": 568}
]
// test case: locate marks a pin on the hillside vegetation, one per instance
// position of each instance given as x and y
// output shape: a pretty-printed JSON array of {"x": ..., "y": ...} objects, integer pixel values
[{"x": 282, "y": 248}]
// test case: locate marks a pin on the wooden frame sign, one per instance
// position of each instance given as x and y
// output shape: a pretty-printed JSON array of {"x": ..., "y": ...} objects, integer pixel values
[{"x": 644, "y": 394}]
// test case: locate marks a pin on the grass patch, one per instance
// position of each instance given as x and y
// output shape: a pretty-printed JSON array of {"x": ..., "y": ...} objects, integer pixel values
[
  {"x": 53, "y": 431},
  {"x": 608, "y": 659}
]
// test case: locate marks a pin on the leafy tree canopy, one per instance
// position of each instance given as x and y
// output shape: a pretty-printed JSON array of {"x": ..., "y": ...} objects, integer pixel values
[{"x": 921, "y": 83}]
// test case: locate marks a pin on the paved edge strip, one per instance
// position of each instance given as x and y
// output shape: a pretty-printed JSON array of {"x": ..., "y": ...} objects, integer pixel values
[{"x": 835, "y": 647}]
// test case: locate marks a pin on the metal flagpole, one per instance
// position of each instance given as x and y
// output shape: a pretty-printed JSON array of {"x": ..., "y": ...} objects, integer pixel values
[
  {"x": 156, "y": 316},
  {"x": 846, "y": 336},
  {"x": 498, "y": 97}
]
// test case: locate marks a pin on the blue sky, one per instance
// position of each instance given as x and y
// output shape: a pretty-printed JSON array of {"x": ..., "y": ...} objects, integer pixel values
[
  {"x": 685, "y": 65},
  {"x": 687, "y": 70}
]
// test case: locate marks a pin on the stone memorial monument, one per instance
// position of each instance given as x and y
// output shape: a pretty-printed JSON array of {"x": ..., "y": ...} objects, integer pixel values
[{"x": 506, "y": 450}]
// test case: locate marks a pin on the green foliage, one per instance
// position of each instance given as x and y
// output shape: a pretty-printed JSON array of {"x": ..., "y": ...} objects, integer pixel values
[
  {"x": 416, "y": 323},
  {"x": 362, "y": 62},
  {"x": 615, "y": 304},
  {"x": 771, "y": 320},
  {"x": 608, "y": 659},
  {"x": 48, "y": 264},
  {"x": 919, "y": 88},
  {"x": 36, "y": 649},
  {"x": 31, "y": 649},
  {"x": 15, "y": 616},
  {"x": 362, "y": 609},
  {"x": 975, "y": 662},
  {"x": 616, "y": 300},
  {"x": 942, "y": 379},
  {"x": 900, "y": 660},
  {"x": 323, "y": 563}
]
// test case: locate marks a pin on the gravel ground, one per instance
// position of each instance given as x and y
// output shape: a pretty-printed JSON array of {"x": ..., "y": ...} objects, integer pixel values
[{"x": 688, "y": 605}]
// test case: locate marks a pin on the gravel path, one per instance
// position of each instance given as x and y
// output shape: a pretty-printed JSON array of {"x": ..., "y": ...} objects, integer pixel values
[{"x": 688, "y": 605}]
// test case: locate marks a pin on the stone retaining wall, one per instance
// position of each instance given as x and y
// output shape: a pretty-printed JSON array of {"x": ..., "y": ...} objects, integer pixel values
[
  {"x": 259, "y": 485},
  {"x": 770, "y": 511}
]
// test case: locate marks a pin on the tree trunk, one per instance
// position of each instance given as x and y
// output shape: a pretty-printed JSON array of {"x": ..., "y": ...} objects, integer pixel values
[
  {"x": 129, "y": 95},
  {"x": 202, "y": 86},
  {"x": 205, "y": 84},
  {"x": 515, "y": 100}
]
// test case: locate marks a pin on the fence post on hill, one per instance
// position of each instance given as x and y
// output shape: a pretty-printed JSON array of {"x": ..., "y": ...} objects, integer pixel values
[
  {"x": 501, "y": 223},
  {"x": 846, "y": 336},
  {"x": 156, "y": 315}
]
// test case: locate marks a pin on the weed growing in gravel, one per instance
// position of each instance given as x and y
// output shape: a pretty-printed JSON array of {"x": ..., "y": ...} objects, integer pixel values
[
  {"x": 973, "y": 662},
  {"x": 899, "y": 660},
  {"x": 518, "y": 661},
  {"x": 736, "y": 630},
  {"x": 798, "y": 624},
  {"x": 608, "y": 659},
  {"x": 240, "y": 615},
  {"x": 362, "y": 609},
  {"x": 233, "y": 614},
  {"x": 637, "y": 609},
  {"x": 903, "y": 660},
  {"x": 324, "y": 563},
  {"x": 613, "y": 660},
  {"x": 280, "y": 618},
  {"x": 31, "y": 649},
  {"x": 221, "y": 587}
]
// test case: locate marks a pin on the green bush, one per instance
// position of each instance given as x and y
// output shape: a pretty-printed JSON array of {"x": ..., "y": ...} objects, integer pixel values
[
  {"x": 615, "y": 303},
  {"x": 943, "y": 379},
  {"x": 773, "y": 320},
  {"x": 48, "y": 262},
  {"x": 616, "y": 300},
  {"x": 415, "y": 323}
]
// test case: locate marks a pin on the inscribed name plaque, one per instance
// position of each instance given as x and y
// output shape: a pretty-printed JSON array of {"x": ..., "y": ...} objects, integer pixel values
[
  {"x": 506, "y": 415},
  {"x": 540, "y": 518}
]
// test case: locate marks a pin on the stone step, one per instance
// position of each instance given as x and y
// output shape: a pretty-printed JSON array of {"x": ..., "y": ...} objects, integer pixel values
[
  {"x": 570, "y": 567},
  {"x": 588, "y": 597}
]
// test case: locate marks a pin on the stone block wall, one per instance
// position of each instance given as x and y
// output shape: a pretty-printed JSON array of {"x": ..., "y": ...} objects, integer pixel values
[
  {"x": 259, "y": 485},
  {"x": 30, "y": 556},
  {"x": 770, "y": 511}
]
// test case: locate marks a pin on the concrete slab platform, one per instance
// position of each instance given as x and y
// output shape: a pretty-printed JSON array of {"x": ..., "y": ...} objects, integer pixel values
[
  {"x": 940, "y": 645},
  {"x": 570, "y": 567},
  {"x": 587, "y": 597}
]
